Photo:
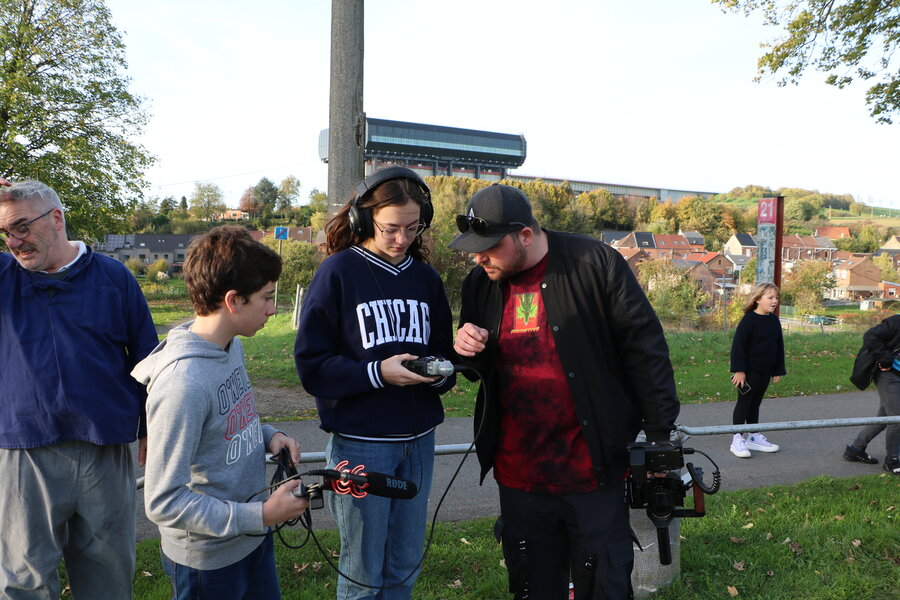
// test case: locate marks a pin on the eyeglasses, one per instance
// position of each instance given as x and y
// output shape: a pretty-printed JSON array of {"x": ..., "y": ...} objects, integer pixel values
[
  {"x": 391, "y": 233},
  {"x": 481, "y": 227},
  {"x": 21, "y": 230}
]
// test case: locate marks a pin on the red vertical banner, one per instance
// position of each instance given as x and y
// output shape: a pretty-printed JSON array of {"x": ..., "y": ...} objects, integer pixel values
[{"x": 769, "y": 231}]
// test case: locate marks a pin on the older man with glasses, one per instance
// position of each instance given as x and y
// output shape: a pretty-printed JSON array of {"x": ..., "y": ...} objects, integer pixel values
[{"x": 72, "y": 326}]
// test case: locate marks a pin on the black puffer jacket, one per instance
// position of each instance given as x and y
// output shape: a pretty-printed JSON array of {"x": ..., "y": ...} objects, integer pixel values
[
  {"x": 883, "y": 341},
  {"x": 610, "y": 344}
]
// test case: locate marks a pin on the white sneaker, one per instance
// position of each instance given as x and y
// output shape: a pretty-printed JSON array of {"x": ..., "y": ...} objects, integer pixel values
[
  {"x": 758, "y": 442},
  {"x": 739, "y": 446}
]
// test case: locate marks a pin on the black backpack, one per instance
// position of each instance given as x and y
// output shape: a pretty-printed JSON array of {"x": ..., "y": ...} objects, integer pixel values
[{"x": 863, "y": 368}]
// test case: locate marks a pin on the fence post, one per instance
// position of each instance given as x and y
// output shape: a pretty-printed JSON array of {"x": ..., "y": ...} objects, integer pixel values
[
  {"x": 649, "y": 576},
  {"x": 298, "y": 300}
]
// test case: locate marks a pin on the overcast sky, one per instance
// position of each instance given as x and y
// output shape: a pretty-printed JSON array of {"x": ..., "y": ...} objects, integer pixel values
[{"x": 645, "y": 92}]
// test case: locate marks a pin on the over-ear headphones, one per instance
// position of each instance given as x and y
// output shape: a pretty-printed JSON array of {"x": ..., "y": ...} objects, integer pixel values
[{"x": 360, "y": 217}]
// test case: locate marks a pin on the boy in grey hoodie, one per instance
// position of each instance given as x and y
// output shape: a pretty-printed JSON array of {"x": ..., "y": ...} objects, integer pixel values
[{"x": 206, "y": 445}]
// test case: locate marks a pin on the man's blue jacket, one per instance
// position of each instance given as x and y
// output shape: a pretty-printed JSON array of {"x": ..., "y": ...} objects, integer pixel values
[{"x": 67, "y": 347}]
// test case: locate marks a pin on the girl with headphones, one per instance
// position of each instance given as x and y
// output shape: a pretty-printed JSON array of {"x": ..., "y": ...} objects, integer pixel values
[{"x": 372, "y": 304}]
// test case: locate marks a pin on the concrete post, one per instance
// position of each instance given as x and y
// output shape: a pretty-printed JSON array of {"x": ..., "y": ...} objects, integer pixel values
[
  {"x": 346, "y": 119},
  {"x": 648, "y": 575}
]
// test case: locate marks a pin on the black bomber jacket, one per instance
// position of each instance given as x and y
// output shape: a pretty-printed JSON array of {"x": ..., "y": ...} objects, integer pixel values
[{"x": 610, "y": 343}]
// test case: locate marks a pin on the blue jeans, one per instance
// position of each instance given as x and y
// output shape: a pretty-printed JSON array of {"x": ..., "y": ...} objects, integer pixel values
[
  {"x": 382, "y": 539},
  {"x": 252, "y": 578}
]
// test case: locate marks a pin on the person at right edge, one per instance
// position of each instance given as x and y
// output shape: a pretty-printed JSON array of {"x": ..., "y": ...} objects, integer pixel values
[
  {"x": 574, "y": 363},
  {"x": 757, "y": 357},
  {"x": 884, "y": 342}
]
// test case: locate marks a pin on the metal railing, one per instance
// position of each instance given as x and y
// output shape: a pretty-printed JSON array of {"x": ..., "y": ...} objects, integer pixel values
[{"x": 317, "y": 457}]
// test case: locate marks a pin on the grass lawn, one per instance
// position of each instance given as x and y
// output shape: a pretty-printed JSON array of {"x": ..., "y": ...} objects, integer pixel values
[
  {"x": 817, "y": 363},
  {"x": 168, "y": 311},
  {"x": 821, "y": 539}
]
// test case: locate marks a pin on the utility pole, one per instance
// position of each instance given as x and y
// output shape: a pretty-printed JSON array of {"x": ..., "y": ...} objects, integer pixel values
[{"x": 346, "y": 119}]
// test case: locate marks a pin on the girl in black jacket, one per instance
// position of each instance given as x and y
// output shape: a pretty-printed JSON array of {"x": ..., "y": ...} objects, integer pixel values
[{"x": 757, "y": 356}]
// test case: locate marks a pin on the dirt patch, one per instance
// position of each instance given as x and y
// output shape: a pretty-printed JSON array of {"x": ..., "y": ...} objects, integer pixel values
[{"x": 277, "y": 403}]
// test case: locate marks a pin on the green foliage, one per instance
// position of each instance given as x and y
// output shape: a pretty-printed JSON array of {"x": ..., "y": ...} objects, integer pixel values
[
  {"x": 207, "y": 200},
  {"x": 318, "y": 201},
  {"x": 66, "y": 115},
  {"x": 886, "y": 264},
  {"x": 674, "y": 295},
  {"x": 187, "y": 225},
  {"x": 806, "y": 285},
  {"x": 849, "y": 40},
  {"x": 265, "y": 195},
  {"x": 154, "y": 270},
  {"x": 748, "y": 273},
  {"x": 288, "y": 192},
  {"x": 449, "y": 196},
  {"x": 135, "y": 266},
  {"x": 798, "y": 209},
  {"x": 299, "y": 261}
]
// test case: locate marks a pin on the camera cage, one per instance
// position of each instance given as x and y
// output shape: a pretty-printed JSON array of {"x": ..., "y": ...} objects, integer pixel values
[{"x": 655, "y": 484}]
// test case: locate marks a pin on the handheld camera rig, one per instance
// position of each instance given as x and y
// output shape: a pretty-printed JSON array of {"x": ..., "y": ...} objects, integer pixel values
[{"x": 654, "y": 484}]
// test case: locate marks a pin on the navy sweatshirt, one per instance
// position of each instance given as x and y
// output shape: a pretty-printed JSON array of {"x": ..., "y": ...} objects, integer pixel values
[
  {"x": 67, "y": 347},
  {"x": 360, "y": 309},
  {"x": 758, "y": 345}
]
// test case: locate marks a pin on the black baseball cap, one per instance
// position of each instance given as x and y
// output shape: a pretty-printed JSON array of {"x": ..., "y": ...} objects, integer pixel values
[{"x": 492, "y": 213}]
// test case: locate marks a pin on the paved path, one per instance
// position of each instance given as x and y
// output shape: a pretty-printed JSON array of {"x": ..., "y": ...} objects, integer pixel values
[{"x": 804, "y": 453}]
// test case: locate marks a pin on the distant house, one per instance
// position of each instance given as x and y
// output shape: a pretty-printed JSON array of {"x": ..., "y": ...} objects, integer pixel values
[
  {"x": 146, "y": 247},
  {"x": 674, "y": 246},
  {"x": 700, "y": 274},
  {"x": 795, "y": 248},
  {"x": 742, "y": 244},
  {"x": 833, "y": 233},
  {"x": 856, "y": 279},
  {"x": 634, "y": 257},
  {"x": 890, "y": 290},
  {"x": 893, "y": 243},
  {"x": 696, "y": 241},
  {"x": 610, "y": 236},
  {"x": 894, "y": 254},
  {"x": 235, "y": 215},
  {"x": 636, "y": 239},
  {"x": 717, "y": 263}
]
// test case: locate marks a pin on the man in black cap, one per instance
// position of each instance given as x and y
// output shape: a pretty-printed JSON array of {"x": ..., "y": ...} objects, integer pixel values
[{"x": 574, "y": 365}]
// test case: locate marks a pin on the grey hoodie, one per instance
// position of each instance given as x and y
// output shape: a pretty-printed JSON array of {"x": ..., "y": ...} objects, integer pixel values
[{"x": 205, "y": 450}]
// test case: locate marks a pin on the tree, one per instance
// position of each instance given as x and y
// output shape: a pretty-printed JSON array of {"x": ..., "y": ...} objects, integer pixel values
[
  {"x": 886, "y": 264},
  {"x": 206, "y": 200},
  {"x": 674, "y": 295},
  {"x": 247, "y": 202},
  {"x": 264, "y": 195},
  {"x": 135, "y": 266},
  {"x": 167, "y": 205},
  {"x": 798, "y": 209},
  {"x": 847, "y": 39},
  {"x": 806, "y": 285},
  {"x": 318, "y": 201},
  {"x": 66, "y": 115},
  {"x": 299, "y": 261},
  {"x": 288, "y": 192}
]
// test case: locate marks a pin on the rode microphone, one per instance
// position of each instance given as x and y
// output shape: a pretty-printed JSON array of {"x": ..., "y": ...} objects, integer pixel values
[
  {"x": 430, "y": 366},
  {"x": 359, "y": 484}
]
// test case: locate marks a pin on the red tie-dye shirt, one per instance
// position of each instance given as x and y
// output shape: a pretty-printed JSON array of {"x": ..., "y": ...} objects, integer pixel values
[{"x": 541, "y": 448}]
